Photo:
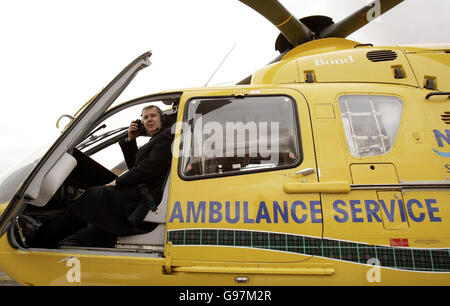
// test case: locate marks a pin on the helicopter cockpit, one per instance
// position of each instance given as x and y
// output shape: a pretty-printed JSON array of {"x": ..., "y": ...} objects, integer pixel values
[{"x": 95, "y": 161}]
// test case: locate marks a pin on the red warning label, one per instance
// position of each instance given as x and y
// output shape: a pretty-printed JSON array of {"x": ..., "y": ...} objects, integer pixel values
[{"x": 399, "y": 242}]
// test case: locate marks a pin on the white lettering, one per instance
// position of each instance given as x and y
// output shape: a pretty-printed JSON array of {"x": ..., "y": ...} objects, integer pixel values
[
  {"x": 198, "y": 296},
  {"x": 241, "y": 132},
  {"x": 375, "y": 11},
  {"x": 319, "y": 62},
  {"x": 235, "y": 139},
  {"x": 213, "y": 145},
  {"x": 338, "y": 61},
  {"x": 74, "y": 273}
]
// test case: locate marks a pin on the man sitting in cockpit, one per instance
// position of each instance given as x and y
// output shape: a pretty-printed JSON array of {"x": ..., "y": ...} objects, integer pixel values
[{"x": 102, "y": 213}]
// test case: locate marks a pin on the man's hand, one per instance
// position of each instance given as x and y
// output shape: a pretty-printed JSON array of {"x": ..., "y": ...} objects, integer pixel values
[{"x": 133, "y": 131}]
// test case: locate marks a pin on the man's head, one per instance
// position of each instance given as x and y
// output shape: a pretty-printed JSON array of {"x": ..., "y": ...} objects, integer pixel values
[{"x": 151, "y": 118}]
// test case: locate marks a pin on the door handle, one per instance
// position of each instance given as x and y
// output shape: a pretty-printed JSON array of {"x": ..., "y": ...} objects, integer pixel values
[
  {"x": 305, "y": 172},
  {"x": 320, "y": 187}
]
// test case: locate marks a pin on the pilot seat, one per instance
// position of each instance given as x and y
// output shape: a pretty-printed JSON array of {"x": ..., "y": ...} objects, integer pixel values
[{"x": 153, "y": 240}]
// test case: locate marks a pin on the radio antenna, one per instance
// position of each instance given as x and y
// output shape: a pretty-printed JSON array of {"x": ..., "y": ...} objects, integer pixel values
[{"x": 206, "y": 84}]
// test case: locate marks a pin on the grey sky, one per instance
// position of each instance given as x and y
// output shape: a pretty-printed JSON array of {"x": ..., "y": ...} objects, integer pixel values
[{"x": 56, "y": 55}]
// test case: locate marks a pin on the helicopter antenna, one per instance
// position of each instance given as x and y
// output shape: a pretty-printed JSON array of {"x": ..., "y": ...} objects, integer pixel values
[{"x": 206, "y": 84}]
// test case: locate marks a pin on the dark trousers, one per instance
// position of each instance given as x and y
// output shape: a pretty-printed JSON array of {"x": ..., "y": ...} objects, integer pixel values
[
  {"x": 50, "y": 234},
  {"x": 71, "y": 228}
]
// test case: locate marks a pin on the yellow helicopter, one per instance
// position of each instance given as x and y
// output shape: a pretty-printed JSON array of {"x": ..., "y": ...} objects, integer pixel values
[{"x": 328, "y": 166}]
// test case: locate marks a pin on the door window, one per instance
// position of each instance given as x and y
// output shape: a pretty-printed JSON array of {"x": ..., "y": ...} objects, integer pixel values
[
  {"x": 370, "y": 122},
  {"x": 223, "y": 136}
]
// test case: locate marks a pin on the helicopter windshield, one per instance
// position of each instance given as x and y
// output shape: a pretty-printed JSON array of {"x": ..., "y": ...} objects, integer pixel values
[{"x": 16, "y": 174}]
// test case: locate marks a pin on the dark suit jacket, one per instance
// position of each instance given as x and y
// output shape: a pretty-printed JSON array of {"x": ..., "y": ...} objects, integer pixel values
[{"x": 149, "y": 164}]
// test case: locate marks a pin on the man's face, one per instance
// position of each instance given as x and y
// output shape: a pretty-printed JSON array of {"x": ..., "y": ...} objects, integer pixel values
[{"x": 151, "y": 121}]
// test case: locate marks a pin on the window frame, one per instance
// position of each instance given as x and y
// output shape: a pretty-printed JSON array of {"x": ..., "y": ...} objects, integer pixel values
[{"x": 238, "y": 173}]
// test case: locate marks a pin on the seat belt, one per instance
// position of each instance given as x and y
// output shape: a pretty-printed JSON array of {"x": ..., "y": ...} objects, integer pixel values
[{"x": 145, "y": 205}]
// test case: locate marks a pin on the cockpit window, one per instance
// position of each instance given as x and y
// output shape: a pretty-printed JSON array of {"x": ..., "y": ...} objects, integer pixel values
[
  {"x": 370, "y": 122},
  {"x": 238, "y": 135}
]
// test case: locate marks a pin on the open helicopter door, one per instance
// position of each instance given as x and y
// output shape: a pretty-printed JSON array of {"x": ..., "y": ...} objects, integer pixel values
[
  {"x": 57, "y": 163},
  {"x": 245, "y": 198}
]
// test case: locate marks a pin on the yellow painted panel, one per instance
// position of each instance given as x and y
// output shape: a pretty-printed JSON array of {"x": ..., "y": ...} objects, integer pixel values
[
  {"x": 373, "y": 174},
  {"x": 431, "y": 65},
  {"x": 393, "y": 210},
  {"x": 324, "y": 111}
]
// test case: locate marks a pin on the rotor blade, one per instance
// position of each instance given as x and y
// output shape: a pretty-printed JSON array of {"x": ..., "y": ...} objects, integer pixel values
[
  {"x": 359, "y": 19},
  {"x": 294, "y": 31}
]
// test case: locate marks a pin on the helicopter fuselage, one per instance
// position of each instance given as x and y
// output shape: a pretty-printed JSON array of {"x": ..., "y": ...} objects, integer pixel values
[{"x": 355, "y": 192}]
